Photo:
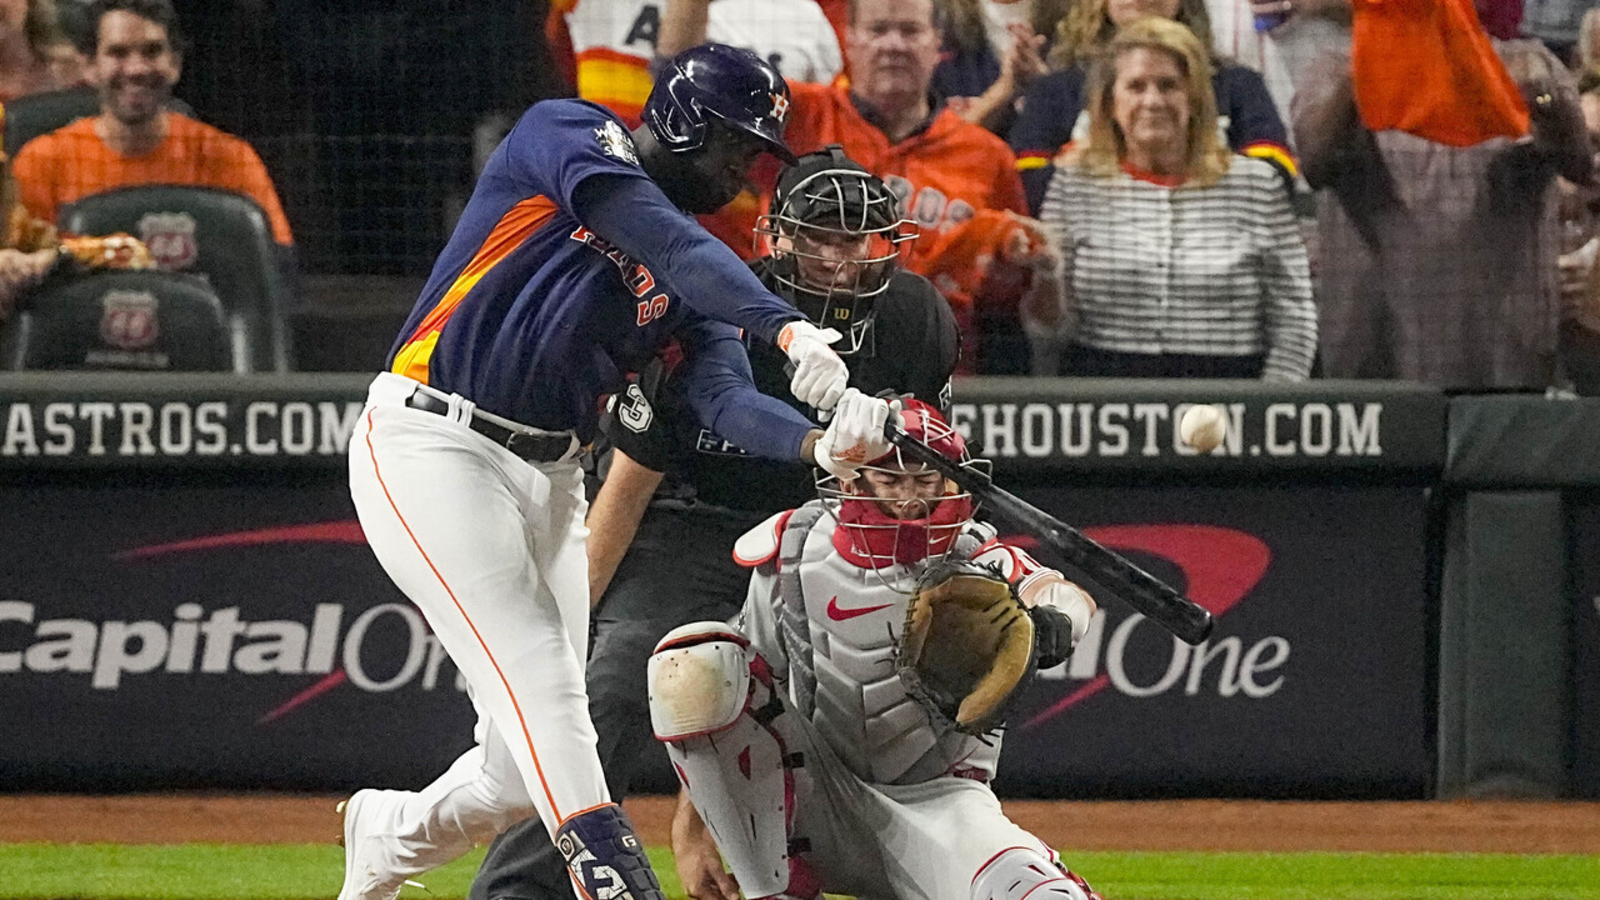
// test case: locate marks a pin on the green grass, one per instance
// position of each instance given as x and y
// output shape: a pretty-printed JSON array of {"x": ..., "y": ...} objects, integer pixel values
[{"x": 312, "y": 872}]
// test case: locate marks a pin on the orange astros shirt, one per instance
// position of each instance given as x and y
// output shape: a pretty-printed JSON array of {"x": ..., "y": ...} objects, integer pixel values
[
  {"x": 944, "y": 175},
  {"x": 73, "y": 162}
]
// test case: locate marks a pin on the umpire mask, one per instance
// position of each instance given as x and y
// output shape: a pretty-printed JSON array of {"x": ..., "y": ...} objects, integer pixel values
[{"x": 833, "y": 238}]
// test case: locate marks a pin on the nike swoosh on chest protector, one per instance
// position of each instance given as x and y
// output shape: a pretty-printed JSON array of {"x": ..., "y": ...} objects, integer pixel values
[{"x": 841, "y": 615}]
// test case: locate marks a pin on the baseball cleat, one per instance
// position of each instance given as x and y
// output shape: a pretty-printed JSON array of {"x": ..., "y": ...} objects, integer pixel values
[{"x": 364, "y": 877}]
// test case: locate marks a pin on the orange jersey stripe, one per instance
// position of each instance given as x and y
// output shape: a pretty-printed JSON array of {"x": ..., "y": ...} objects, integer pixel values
[
  {"x": 1273, "y": 153},
  {"x": 514, "y": 228}
]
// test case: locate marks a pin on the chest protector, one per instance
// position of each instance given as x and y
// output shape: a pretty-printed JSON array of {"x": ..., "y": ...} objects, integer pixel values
[{"x": 837, "y": 624}]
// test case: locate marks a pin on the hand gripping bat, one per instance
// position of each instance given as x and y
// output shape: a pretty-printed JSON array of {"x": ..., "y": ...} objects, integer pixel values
[{"x": 1112, "y": 571}]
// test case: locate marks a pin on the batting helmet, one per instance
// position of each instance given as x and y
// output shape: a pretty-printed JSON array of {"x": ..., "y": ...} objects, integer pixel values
[{"x": 735, "y": 86}]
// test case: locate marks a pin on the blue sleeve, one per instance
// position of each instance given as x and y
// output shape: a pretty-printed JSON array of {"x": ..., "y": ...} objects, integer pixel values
[
  {"x": 695, "y": 267},
  {"x": 1252, "y": 118},
  {"x": 1049, "y": 111},
  {"x": 717, "y": 383},
  {"x": 578, "y": 154}
]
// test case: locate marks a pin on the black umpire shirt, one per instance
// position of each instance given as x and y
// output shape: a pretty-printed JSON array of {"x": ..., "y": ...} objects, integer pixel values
[{"x": 912, "y": 347}]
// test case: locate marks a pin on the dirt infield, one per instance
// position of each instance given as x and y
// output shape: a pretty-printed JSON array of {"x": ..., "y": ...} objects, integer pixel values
[{"x": 1505, "y": 827}]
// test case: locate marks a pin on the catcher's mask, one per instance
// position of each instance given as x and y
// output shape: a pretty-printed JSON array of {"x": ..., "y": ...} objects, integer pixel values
[
  {"x": 898, "y": 512},
  {"x": 833, "y": 237}
]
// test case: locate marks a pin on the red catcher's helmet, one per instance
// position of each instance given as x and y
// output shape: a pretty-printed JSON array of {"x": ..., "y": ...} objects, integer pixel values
[{"x": 868, "y": 534}]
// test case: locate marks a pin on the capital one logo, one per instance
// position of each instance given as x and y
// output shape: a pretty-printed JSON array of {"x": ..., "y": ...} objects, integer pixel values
[
  {"x": 1221, "y": 566},
  {"x": 327, "y": 641}
]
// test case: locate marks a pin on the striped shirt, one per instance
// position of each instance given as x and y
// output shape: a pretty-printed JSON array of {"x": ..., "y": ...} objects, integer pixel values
[{"x": 1216, "y": 271}]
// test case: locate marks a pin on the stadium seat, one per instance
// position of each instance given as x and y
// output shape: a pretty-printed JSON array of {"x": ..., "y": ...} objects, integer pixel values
[
  {"x": 35, "y": 114},
  {"x": 149, "y": 321},
  {"x": 219, "y": 235}
]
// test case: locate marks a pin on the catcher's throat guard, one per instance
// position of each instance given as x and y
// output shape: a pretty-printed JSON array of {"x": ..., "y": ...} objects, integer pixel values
[{"x": 967, "y": 648}]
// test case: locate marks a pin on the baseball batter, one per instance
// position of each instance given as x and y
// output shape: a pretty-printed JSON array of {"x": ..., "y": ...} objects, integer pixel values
[
  {"x": 572, "y": 264},
  {"x": 834, "y": 238},
  {"x": 803, "y": 753}
]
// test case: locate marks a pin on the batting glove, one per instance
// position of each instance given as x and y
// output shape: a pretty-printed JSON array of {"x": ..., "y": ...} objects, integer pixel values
[
  {"x": 820, "y": 375},
  {"x": 855, "y": 436}
]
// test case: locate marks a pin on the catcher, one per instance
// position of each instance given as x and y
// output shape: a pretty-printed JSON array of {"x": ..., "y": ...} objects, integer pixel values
[{"x": 841, "y": 734}]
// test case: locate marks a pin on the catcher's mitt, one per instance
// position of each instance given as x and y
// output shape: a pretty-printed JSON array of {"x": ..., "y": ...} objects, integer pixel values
[{"x": 967, "y": 647}]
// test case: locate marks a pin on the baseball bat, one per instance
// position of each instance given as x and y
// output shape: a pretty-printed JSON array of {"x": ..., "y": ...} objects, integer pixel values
[{"x": 1144, "y": 592}]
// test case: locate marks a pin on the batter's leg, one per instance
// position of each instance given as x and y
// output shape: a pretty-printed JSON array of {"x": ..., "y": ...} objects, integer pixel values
[
  {"x": 523, "y": 864},
  {"x": 455, "y": 522},
  {"x": 392, "y": 835},
  {"x": 446, "y": 513},
  {"x": 677, "y": 570}
]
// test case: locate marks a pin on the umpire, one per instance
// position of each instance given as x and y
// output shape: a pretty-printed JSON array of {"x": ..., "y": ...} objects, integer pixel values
[{"x": 833, "y": 237}]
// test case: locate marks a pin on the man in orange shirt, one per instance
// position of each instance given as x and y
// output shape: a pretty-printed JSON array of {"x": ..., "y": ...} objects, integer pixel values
[
  {"x": 136, "y": 140},
  {"x": 955, "y": 179}
]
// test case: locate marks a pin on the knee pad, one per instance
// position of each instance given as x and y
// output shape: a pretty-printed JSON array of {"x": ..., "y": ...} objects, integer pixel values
[
  {"x": 1018, "y": 872},
  {"x": 741, "y": 778},
  {"x": 605, "y": 857},
  {"x": 699, "y": 680}
]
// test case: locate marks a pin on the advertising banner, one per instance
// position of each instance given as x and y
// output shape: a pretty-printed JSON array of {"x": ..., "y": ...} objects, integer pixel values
[
  {"x": 245, "y": 637},
  {"x": 189, "y": 601},
  {"x": 192, "y": 636},
  {"x": 1313, "y": 685},
  {"x": 1057, "y": 427},
  {"x": 1075, "y": 426},
  {"x": 81, "y": 420}
]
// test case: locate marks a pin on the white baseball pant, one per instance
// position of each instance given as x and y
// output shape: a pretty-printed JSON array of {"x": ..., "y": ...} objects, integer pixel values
[{"x": 491, "y": 549}]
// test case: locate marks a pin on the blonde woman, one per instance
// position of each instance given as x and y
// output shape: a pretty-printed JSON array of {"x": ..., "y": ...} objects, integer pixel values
[
  {"x": 1052, "y": 107},
  {"x": 1180, "y": 259}
]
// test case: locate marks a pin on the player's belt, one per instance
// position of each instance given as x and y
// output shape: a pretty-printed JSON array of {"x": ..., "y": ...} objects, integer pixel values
[{"x": 526, "y": 443}]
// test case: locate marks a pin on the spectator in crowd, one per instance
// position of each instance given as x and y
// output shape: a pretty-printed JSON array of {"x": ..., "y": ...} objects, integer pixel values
[
  {"x": 1588, "y": 50},
  {"x": 793, "y": 35},
  {"x": 1438, "y": 221},
  {"x": 1236, "y": 36},
  {"x": 31, "y": 250},
  {"x": 67, "y": 60},
  {"x": 1580, "y": 277},
  {"x": 20, "y": 270},
  {"x": 1179, "y": 258},
  {"x": 29, "y": 40},
  {"x": 605, "y": 48},
  {"x": 135, "y": 60},
  {"x": 1052, "y": 112},
  {"x": 957, "y": 181},
  {"x": 1555, "y": 22},
  {"x": 993, "y": 50},
  {"x": 1295, "y": 32}
]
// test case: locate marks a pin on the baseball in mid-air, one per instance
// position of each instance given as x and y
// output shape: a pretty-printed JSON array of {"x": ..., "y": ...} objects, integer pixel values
[{"x": 1203, "y": 427}]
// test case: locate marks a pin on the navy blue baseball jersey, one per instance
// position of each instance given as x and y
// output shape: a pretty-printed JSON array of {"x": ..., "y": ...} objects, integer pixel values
[{"x": 568, "y": 269}]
